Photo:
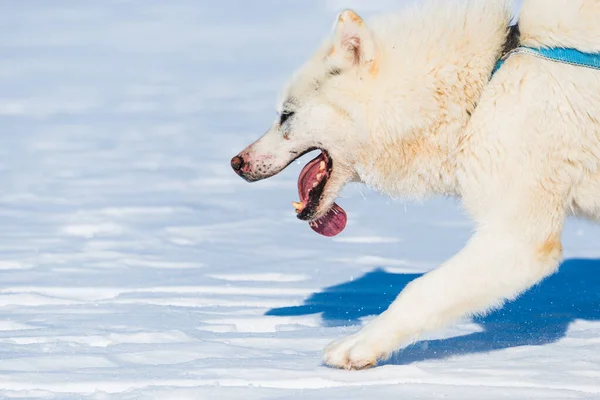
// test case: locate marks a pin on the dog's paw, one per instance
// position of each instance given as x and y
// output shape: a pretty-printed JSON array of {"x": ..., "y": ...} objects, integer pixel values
[{"x": 355, "y": 352}]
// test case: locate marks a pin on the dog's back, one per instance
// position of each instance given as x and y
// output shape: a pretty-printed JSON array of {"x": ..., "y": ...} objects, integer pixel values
[
  {"x": 549, "y": 111},
  {"x": 561, "y": 23}
]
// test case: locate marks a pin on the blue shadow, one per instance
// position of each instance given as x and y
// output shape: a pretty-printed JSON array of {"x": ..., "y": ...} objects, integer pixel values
[{"x": 540, "y": 316}]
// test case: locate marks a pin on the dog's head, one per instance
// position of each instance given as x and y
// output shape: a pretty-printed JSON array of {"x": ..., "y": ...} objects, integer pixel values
[
  {"x": 316, "y": 114},
  {"x": 384, "y": 106}
]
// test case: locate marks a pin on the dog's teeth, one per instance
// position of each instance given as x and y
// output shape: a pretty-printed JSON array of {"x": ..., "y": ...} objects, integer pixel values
[
  {"x": 319, "y": 176},
  {"x": 322, "y": 166},
  {"x": 315, "y": 184},
  {"x": 298, "y": 206}
]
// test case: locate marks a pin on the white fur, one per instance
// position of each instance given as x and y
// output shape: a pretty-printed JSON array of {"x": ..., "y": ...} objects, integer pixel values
[{"x": 413, "y": 113}]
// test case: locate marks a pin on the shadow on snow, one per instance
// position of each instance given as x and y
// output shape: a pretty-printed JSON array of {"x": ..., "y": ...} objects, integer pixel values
[{"x": 540, "y": 316}]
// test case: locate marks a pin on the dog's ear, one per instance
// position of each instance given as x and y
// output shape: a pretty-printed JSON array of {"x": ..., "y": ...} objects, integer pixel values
[{"x": 352, "y": 39}]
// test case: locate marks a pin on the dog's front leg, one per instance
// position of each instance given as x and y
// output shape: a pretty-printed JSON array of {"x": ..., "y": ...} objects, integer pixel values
[{"x": 496, "y": 265}]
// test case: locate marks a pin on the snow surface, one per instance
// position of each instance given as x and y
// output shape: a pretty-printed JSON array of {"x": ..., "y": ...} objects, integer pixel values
[{"x": 134, "y": 264}]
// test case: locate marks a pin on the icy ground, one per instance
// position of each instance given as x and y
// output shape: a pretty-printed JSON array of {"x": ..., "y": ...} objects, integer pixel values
[{"x": 134, "y": 264}]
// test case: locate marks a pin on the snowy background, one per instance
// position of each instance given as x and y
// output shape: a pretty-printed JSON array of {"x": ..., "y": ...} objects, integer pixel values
[{"x": 135, "y": 264}]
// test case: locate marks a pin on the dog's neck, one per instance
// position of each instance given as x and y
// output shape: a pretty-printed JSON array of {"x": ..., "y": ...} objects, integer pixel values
[
  {"x": 513, "y": 40},
  {"x": 423, "y": 162}
]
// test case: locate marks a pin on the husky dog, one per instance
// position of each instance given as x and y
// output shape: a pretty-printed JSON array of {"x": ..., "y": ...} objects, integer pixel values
[{"x": 408, "y": 104}]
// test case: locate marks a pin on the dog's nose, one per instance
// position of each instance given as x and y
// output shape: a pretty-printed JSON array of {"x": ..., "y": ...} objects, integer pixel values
[{"x": 237, "y": 163}]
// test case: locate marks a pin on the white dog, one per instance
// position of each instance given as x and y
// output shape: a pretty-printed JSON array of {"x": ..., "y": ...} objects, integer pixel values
[{"x": 407, "y": 104}]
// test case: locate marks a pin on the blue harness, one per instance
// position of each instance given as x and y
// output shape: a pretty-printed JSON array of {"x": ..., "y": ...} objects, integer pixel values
[{"x": 557, "y": 54}]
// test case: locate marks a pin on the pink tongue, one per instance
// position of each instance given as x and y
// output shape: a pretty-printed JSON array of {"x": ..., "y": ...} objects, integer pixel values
[{"x": 332, "y": 223}]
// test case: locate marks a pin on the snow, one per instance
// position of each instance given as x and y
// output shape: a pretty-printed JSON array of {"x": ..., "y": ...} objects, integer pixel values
[{"x": 134, "y": 264}]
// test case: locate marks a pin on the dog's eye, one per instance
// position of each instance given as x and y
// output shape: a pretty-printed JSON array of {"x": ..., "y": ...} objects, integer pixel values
[{"x": 285, "y": 116}]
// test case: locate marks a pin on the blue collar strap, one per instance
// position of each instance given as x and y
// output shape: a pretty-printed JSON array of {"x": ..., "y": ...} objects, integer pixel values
[{"x": 557, "y": 54}]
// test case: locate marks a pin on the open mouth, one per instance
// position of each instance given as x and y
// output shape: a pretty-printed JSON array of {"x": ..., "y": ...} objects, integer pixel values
[{"x": 311, "y": 186}]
